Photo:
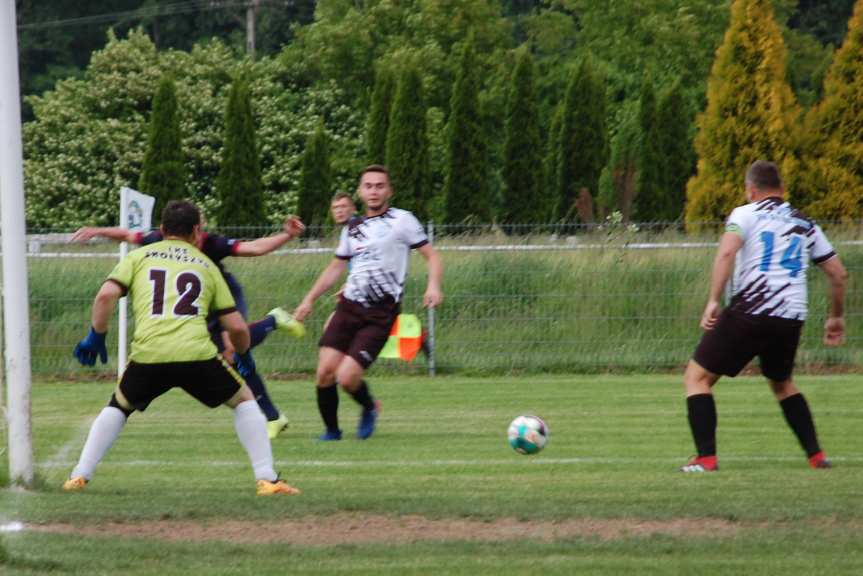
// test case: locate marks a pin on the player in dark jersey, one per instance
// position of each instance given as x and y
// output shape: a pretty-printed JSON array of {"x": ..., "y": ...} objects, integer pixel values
[
  {"x": 378, "y": 246},
  {"x": 773, "y": 244},
  {"x": 173, "y": 287},
  {"x": 217, "y": 248}
]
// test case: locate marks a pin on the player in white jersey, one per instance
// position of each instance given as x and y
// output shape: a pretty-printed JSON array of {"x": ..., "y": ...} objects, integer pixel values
[
  {"x": 378, "y": 246},
  {"x": 772, "y": 244}
]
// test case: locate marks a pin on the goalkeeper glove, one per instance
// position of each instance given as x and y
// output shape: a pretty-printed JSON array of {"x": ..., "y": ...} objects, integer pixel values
[{"x": 87, "y": 349}]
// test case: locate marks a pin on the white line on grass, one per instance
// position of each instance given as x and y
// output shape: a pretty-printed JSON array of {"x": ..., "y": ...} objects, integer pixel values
[
  {"x": 59, "y": 458},
  {"x": 396, "y": 463}
]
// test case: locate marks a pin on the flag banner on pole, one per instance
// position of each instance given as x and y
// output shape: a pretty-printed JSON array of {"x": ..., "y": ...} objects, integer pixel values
[
  {"x": 138, "y": 210},
  {"x": 406, "y": 338}
]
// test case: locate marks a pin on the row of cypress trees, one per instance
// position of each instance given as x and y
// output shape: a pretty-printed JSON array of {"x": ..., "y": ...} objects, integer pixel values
[
  {"x": 643, "y": 169},
  {"x": 238, "y": 185},
  {"x": 752, "y": 113}
]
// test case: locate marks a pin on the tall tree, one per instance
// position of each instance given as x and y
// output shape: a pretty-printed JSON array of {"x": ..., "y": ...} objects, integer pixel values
[
  {"x": 315, "y": 179},
  {"x": 673, "y": 118},
  {"x": 379, "y": 115},
  {"x": 619, "y": 178},
  {"x": 407, "y": 148},
  {"x": 239, "y": 186},
  {"x": 832, "y": 181},
  {"x": 163, "y": 173},
  {"x": 524, "y": 200},
  {"x": 584, "y": 138},
  {"x": 751, "y": 113},
  {"x": 466, "y": 189},
  {"x": 649, "y": 195}
]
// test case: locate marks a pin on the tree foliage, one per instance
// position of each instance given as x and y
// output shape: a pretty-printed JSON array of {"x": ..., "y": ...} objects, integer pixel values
[
  {"x": 379, "y": 115},
  {"x": 524, "y": 200},
  {"x": 650, "y": 193},
  {"x": 239, "y": 185},
  {"x": 407, "y": 149},
  {"x": 832, "y": 180},
  {"x": 162, "y": 175},
  {"x": 751, "y": 113},
  {"x": 584, "y": 137},
  {"x": 313, "y": 198},
  {"x": 675, "y": 143},
  {"x": 466, "y": 189}
]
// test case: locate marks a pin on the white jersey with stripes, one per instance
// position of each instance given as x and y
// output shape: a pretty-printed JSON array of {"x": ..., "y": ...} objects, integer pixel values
[
  {"x": 779, "y": 242},
  {"x": 378, "y": 248}
]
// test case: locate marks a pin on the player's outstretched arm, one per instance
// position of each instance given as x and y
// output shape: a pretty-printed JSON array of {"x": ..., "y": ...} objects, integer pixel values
[
  {"x": 325, "y": 281},
  {"x": 834, "y": 326},
  {"x": 723, "y": 265},
  {"x": 112, "y": 233},
  {"x": 292, "y": 228},
  {"x": 434, "y": 294}
]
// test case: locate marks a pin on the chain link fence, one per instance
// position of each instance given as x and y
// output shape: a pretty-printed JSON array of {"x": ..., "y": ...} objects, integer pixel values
[{"x": 518, "y": 299}]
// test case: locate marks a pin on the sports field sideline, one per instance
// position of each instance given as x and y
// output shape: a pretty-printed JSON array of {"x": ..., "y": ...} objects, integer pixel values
[{"x": 437, "y": 490}]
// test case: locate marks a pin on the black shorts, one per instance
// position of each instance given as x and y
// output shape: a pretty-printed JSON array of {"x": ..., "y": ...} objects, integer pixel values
[
  {"x": 212, "y": 382},
  {"x": 737, "y": 338},
  {"x": 358, "y": 331}
]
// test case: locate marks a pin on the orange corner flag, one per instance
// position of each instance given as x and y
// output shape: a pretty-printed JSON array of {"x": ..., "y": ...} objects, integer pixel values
[{"x": 406, "y": 338}]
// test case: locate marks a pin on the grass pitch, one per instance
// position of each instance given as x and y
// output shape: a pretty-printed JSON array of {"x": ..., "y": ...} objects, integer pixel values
[{"x": 437, "y": 490}]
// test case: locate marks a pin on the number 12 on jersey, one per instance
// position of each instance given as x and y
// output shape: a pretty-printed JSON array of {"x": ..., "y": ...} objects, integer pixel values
[{"x": 791, "y": 258}]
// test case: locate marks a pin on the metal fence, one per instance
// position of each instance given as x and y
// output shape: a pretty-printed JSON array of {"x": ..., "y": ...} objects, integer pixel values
[{"x": 517, "y": 300}]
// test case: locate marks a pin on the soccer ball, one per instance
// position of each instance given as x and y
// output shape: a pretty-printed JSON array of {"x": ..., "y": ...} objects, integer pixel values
[{"x": 527, "y": 434}]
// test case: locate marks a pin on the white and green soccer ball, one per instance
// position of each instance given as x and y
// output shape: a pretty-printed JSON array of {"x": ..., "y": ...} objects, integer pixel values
[{"x": 527, "y": 434}]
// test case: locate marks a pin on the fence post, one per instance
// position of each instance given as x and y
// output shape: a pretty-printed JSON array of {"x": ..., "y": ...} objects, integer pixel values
[{"x": 430, "y": 318}]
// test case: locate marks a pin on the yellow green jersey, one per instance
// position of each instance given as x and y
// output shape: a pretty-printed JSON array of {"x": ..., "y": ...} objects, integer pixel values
[{"x": 173, "y": 287}]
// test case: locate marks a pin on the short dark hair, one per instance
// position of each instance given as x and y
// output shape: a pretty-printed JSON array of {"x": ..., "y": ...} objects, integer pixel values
[
  {"x": 375, "y": 168},
  {"x": 764, "y": 175},
  {"x": 179, "y": 218},
  {"x": 340, "y": 195}
]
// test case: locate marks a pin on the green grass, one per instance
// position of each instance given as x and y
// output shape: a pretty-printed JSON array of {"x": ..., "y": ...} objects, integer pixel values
[
  {"x": 504, "y": 312},
  {"x": 441, "y": 453}
]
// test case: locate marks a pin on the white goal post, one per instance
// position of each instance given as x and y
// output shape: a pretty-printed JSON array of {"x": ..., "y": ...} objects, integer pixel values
[{"x": 16, "y": 307}]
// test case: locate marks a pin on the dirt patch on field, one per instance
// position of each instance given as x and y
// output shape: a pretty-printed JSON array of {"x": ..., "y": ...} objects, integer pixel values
[{"x": 357, "y": 529}]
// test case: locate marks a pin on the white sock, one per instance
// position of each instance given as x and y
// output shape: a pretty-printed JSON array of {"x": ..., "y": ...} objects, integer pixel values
[
  {"x": 251, "y": 426},
  {"x": 105, "y": 429}
]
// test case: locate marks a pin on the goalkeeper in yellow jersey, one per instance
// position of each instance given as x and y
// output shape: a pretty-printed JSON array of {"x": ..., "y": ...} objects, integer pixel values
[{"x": 173, "y": 287}]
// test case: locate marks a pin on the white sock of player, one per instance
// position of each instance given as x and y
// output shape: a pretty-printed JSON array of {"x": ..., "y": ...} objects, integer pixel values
[
  {"x": 251, "y": 426},
  {"x": 105, "y": 429}
]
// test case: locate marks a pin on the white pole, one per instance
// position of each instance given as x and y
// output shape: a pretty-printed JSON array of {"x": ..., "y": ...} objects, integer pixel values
[
  {"x": 16, "y": 307},
  {"x": 430, "y": 318},
  {"x": 122, "y": 317}
]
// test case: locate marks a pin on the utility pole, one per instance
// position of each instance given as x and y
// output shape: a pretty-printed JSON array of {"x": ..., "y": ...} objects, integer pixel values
[{"x": 251, "y": 11}]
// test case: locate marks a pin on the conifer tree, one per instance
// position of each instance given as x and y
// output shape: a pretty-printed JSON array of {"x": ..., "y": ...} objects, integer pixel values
[
  {"x": 673, "y": 119},
  {"x": 163, "y": 172},
  {"x": 751, "y": 114},
  {"x": 618, "y": 188},
  {"x": 238, "y": 184},
  {"x": 379, "y": 115},
  {"x": 316, "y": 179},
  {"x": 466, "y": 189},
  {"x": 552, "y": 159},
  {"x": 524, "y": 199},
  {"x": 583, "y": 139},
  {"x": 832, "y": 181},
  {"x": 407, "y": 154},
  {"x": 649, "y": 194}
]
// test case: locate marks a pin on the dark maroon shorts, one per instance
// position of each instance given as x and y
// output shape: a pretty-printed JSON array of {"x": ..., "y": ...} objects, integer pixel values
[
  {"x": 360, "y": 332},
  {"x": 737, "y": 338}
]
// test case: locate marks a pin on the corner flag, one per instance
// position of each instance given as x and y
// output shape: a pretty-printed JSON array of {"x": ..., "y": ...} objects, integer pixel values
[
  {"x": 406, "y": 338},
  {"x": 136, "y": 214}
]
